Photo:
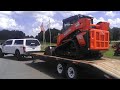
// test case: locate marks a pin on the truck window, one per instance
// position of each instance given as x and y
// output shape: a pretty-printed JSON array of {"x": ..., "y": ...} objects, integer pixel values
[
  {"x": 32, "y": 43},
  {"x": 8, "y": 42},
  {"x": 18, "y": 42}
]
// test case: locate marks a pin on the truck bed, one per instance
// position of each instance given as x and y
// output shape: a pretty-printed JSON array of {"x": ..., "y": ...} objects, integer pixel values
[{"x": 107, "y": 65}]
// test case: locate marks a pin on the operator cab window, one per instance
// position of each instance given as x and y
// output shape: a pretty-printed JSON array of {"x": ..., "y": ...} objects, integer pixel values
[
  {"x": 18, "y": 42},
  {"x": 8, "y": 42},
  {"x": 73, "y": 19},
  {"x": 69, "y": 22}
]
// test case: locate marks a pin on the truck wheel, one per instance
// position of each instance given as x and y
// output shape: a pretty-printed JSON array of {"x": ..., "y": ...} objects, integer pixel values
[
  {"x": 71, "y": 72},
  {"x": 18, "y": 56},
  {"x": 1, "y": 54},
  {"x": 61, "y": 69}
]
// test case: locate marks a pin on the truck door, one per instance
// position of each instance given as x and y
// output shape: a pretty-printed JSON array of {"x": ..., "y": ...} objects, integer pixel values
[{"x": 7, "y": 46}]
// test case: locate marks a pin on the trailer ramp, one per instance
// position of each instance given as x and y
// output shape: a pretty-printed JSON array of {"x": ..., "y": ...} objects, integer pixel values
[{"x": 109, "y": 66}]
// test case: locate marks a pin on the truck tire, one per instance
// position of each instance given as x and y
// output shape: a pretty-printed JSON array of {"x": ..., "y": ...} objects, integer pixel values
[
  {"x": 71, "y": 72},
  {"x": 61, "y": 69},
  {"x": 18, "y": 56},
  {"x": 1, "y": 54}
]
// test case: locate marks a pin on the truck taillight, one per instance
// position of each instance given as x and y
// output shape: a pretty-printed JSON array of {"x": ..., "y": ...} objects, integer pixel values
[{"x": 24, "y": 49}]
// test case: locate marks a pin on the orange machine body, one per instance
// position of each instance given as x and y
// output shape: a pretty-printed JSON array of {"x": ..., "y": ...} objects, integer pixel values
[{"x": 98, "y": 34}]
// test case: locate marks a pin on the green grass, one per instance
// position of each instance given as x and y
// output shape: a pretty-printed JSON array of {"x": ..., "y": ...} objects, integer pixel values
[{"x": 110, "y": 54}]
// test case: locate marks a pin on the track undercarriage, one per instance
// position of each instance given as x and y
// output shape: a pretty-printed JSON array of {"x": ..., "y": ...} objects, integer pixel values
[{"x": 72, "y": 50}]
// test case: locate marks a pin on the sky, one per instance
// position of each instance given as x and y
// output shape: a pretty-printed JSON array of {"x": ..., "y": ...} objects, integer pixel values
[{"x": 29, "y": 21}]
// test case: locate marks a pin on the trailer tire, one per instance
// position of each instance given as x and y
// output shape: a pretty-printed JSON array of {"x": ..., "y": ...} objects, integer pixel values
[
  {"x": 61, "y": 69},
  {"x": 1, "y": 54},
  {"x": 71, "y": 72}
]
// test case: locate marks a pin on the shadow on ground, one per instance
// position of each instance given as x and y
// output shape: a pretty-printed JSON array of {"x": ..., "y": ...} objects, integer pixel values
[
  {"x": 46, "y": 68},
  {"x": 49, "y": 68},
  {"x": 86, "y": 72}
]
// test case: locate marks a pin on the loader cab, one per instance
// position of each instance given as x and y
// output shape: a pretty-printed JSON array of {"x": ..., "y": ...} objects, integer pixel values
[{"x": 73, "y": 19}]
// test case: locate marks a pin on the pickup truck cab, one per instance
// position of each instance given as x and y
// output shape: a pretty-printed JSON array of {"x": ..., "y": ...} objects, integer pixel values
[{"x": 20, "y": 47}]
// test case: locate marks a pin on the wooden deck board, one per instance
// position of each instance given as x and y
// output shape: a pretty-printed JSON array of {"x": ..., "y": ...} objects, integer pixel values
[{"x": 110, "y": 66}]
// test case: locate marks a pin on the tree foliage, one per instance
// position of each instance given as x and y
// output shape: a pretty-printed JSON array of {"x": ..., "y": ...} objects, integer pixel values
[
  {"x": 115, "y": 34},
  {"x": 7, "y": 34},
  {"x": 54, "y": 33}
]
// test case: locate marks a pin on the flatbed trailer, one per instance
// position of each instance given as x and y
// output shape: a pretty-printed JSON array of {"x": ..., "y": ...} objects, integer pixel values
[{"x": 110, "y": 68}]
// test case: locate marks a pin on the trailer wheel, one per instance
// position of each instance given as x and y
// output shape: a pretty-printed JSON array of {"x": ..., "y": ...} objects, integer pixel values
[
  {"x": 71, "y": 72},
  {"x": 61, "y": 69}
]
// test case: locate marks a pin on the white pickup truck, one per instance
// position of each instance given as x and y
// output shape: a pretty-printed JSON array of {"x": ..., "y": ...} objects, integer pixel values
[{"x": 20, "y": 47}]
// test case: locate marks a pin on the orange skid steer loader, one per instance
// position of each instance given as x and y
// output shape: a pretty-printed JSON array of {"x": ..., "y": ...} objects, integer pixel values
[{"x": 80, "y": 38}]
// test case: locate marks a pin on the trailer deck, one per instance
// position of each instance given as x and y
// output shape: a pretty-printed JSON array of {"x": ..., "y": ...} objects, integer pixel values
[{"x": 109, "y": 66}]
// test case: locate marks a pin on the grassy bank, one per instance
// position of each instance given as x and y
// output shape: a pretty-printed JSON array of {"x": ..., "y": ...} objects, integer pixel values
[{"x": 110, "y": 54}]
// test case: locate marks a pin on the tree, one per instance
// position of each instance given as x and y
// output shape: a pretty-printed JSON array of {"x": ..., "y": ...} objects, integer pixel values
[
  {"x": 115, "y": 33},
  {"x": 6, "y": 34},
  {"x": 54, "y": 34}
]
